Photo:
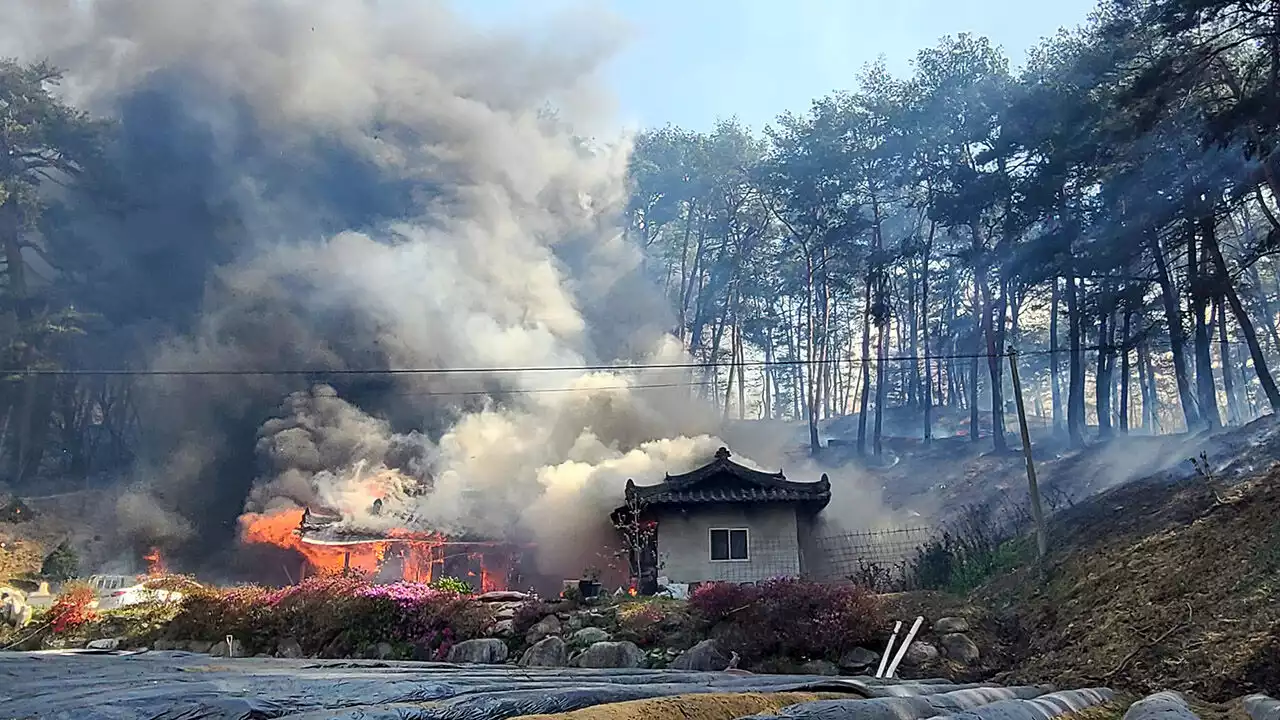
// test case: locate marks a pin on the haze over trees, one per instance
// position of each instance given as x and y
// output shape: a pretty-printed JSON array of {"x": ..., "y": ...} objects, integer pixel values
[{"x": 1110, "y": 210}]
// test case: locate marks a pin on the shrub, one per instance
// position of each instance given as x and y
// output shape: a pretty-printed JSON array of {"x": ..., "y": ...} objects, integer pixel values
[
  {"x": 72, "y": 608},
  {"x": 790, "y": 618},
  {"x": 643, "y": 623},
  {"x": 332, "y": 615},
  {"x": 528, "y": 614},
  {"x": 713, "y": 602},
  {"x": 453, "y": 585},
  {"x": 61, "y": 564}
]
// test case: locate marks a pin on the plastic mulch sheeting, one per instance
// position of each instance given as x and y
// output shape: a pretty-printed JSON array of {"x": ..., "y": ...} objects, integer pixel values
[{"x": 183, "y": 686}]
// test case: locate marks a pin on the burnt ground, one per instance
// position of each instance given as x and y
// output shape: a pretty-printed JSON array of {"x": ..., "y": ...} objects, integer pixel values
[{"x": 1153, "y": 585}]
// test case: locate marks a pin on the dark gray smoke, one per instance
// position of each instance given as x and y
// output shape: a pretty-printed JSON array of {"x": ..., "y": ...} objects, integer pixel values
[{"x": 337, "y": 184}]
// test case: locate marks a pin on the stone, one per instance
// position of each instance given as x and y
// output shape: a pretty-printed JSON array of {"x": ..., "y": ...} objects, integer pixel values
[
  {"x": 505, "y": 612},
  {"x": 920, "y": 653},
  {"x": 384, "y": 650},
  {"x": 622, "y": 654},
  {"x": 859, "y": 659},
  {"x": 819, "y": 667},
  {"x": 960, "y": 648},
  {"x": 221, "y": 649},
  {"x": 549, "y": 625},
  {"x": 504, "y": 628},
  {"x": 289, "y": 648},
  {"x": 550, "y": 651},
  {"x": 705, "y": 656},
  {"x": 165, "y": 645},
  {"x": 14, "y": 610},
  {"x": 502, "y": 596},
  {"x": 199, "y": 646},
  {"x": 589, "y": 636},
  {"x": 104, "y": 644},
  {"x": 948, "y": 625},
  {"x": 485, "y": 651}
]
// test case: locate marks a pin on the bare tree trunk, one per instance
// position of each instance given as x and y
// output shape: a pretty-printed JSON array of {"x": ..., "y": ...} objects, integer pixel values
[
  {"x": 1055, "y": 383},
  {"x": 1177, "y": 340},
  {"x": 1242, "y": 319},
  {"x": 865, "y": 399},
  {"x": 1075, "y": 370},
  {"x": 924, "y": 331},
  {"x": 1125, "y": 371},
  {"x": 1206, "y": 392}
]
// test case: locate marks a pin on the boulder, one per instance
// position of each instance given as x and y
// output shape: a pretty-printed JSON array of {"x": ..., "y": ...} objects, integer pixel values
[
  {"x": 859, "y": 660},
  {"x": 705, "y": 656},
  {"x": 960, "y": 648},
  {"x": 549, "y": 625},
  {"x": 548, "y": 652},
  {"x": 920, "y": 653},
  {"x": 485, "y": 651},
  {"x": 289, "y": 648},
  {"x": 199, "y": 646},
  {"x": 819, "y": 667},
  {"x": 508, "y": 596},
  {"x": 384, "y": 650},
  {"x": 104, "y": 643},
  {"x": 221, "y": 649},
  {"x": 164, "y": 644},
  {"x": 504, "y": 611},
  {"x": 503, "y": 628},
  {"x": 622, "y": 654},
  {"x": 588, "y": 636},
  {"x": 948, "y": 625}
]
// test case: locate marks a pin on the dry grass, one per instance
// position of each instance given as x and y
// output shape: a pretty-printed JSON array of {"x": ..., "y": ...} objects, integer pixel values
[
  {"x": 698, "y": 706},
  {"x": 1155, "y": 586}
]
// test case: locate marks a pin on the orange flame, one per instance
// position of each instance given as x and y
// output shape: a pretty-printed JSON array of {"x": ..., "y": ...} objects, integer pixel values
[{"x": 155, "y": 563}]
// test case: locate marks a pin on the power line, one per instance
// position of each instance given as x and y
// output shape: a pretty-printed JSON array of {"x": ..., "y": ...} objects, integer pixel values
[{"x": 634, "y": 367}]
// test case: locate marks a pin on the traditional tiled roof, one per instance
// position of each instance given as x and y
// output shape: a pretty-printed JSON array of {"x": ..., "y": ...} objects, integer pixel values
[{"x": 725, "y": 481}]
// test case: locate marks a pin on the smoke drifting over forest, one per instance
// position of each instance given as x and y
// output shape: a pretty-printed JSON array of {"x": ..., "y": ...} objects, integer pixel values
[{"x": 341, "y": 185}]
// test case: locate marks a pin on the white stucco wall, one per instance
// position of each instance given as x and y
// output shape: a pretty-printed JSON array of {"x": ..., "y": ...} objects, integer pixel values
[{"x": 685, "y": 548}]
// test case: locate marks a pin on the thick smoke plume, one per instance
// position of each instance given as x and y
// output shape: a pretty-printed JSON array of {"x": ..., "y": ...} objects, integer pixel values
[{"x": 371, "y": 184}]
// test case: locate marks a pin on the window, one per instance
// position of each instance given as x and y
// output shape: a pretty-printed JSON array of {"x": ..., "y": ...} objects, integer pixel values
[{"x": 729, "y": 544}]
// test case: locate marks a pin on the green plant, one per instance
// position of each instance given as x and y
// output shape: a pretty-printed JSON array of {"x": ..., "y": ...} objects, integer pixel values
[
  {"x": 61, "y": 564},
  {"x": 453, "y": 585}
]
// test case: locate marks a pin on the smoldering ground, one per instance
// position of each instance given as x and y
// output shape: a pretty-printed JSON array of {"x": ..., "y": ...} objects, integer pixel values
[{"x": 338, "y": 185}]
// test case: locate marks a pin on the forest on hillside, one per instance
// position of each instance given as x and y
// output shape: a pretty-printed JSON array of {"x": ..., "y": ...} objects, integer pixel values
[{"x": 1111, "y": 210}]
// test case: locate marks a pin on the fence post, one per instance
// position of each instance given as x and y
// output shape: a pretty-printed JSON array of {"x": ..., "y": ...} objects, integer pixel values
[{"x": 1037, "y": 511}]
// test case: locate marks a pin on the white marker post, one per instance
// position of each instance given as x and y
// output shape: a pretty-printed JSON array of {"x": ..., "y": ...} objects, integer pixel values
[
  {"x": 906, "y": 643},
  {"x": 884, "y": 659}
]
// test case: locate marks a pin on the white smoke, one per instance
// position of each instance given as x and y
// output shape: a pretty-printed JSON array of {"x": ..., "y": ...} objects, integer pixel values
[{"x": 503, "y": 250}]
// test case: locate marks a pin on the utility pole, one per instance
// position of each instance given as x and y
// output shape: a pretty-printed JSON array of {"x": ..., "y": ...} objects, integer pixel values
[{"x": 1037, "y": 511}]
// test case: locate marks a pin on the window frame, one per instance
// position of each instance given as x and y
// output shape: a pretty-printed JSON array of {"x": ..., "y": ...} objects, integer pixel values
[{"x": 729, "y": 531}]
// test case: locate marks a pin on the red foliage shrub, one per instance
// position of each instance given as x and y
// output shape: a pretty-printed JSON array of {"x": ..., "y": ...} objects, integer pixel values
[
  {"x": 72, "y": 608},
  {"x": 332, "y": 614},
  {"x": 791, "y": 618},
  {"x": 644, "y": 624},
  {"x": 713, "y": 602}
]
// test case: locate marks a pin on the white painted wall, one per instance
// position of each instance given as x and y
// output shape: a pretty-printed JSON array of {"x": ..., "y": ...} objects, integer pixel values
[{"x": 684, "y": 543}]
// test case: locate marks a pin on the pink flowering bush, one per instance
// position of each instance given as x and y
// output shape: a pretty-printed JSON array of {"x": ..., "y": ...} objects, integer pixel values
[
  {"x": 785, "y": 617},
  {"x": 333, "y": 616}
]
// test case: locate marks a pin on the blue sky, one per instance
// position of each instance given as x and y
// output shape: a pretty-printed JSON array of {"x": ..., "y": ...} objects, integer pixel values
[{"x": 689, "y": 62}]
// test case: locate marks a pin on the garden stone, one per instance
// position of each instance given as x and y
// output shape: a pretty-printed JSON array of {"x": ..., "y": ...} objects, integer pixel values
[
  {"x": 199, "y": 646},
  {"x": 547, "y": 652},
  {"x": 163, "y": 645},
  {"x": 549, "y": 625},
  {"x": 589, "y": 636},
  {"x": 921, "y": 653},
  {"x": 859, "y": 659},
  {"x": 623, "y": 654},
  {"x": 485, "y": 651},
  {"x": 819, "y": 667},
  {"x": 502, "y": 596},
  {"x": 960, "y": 648},
  {"x": 383, "y": 651},
  {"x": 503, "y": 628},
  {"x": 104, "y": 644},
  {"x": 222, "y": 650},
  {"x": 505, "y": 612},
  {"x": 705, "y": 656},
  {"x": 948, "y": 625},
  {"x": 289, "y": 648}
]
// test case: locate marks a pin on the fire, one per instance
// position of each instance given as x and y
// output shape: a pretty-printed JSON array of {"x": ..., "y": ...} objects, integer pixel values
[
  {"x": 155, "y": 563},
  {"x": 363, "y": 558}
]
